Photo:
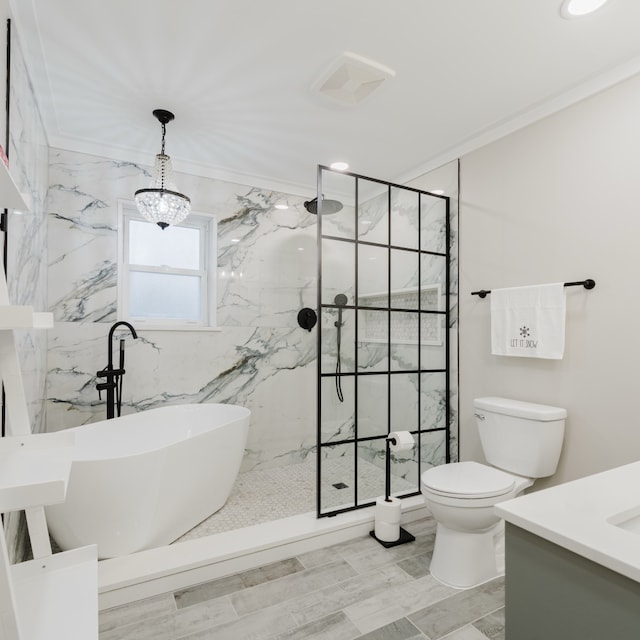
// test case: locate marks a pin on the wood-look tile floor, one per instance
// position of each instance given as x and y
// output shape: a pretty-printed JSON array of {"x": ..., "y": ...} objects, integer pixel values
[{"x": 357, "y": 589}]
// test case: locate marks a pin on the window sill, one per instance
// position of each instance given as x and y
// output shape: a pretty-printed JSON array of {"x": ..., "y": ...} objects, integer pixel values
[{"x": 141, "y": 326}]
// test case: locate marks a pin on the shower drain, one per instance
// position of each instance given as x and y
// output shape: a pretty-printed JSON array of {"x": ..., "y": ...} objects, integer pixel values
[{"x": 340, "y": 485}]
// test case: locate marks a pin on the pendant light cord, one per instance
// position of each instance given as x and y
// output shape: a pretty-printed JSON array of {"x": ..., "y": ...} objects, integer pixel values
[{"x": 162, "y": 164}]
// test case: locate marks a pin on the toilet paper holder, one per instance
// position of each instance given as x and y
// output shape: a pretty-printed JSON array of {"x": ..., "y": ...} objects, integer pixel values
[{"x": 395, "y": 441}]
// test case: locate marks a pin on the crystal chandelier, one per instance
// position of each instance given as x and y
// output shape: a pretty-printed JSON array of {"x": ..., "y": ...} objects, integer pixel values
[{"x": 161, "y": 202}]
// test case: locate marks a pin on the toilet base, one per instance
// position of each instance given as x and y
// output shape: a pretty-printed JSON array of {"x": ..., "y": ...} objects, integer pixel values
[{"x": 463, "y": 560}]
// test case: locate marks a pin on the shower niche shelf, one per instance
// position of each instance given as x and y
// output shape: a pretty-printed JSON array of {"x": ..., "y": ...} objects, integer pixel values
[{"x": 404, "y": 323}]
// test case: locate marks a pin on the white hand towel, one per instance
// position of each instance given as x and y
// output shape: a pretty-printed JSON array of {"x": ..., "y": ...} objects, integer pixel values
[{"x": 528, "y": 321}]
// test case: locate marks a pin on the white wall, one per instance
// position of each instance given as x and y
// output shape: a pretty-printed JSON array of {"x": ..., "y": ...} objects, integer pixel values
[{"x": 560, "y": 201}]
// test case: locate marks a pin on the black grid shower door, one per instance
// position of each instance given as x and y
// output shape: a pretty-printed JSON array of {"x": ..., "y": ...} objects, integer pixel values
[{"x": 383, "y": 340}]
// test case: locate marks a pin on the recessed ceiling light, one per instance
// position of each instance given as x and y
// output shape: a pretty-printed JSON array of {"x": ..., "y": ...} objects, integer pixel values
[
  {"x": 281, "y": 205},
  {"x": 577, "y": 8},
  {"x": 235, "y": 239},
  {"x": 438, "y": 192},
  {"x": 339, "y": 166}
]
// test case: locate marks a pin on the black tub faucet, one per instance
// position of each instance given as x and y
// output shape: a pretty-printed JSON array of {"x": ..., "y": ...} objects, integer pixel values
[{"x": 113, "y": 384}]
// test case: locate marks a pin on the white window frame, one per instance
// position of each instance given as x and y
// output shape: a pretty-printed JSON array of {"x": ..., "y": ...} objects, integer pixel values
[{"x": 208, "y": 271}]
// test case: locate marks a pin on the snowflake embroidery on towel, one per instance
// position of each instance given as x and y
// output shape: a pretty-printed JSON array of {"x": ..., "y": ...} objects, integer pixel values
[{"x": 524, "y": 332}]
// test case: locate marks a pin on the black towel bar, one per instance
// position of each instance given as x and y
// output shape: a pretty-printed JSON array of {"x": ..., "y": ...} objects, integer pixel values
[{"x": 587, "y": 284}]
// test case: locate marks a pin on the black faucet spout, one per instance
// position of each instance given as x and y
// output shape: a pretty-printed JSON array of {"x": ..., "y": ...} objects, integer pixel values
[
  {"x": 114, "y": 326},
  {"x": 113, "y": 384}
]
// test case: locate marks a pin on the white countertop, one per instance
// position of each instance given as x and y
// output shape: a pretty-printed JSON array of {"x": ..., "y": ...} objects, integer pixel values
[{"x": 579, "y": 516}]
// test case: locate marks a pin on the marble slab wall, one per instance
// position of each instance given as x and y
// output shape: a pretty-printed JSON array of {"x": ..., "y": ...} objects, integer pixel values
[
  {"x": 260, "y": 358},
  {"x": 27, "y": 239},
  {"x": 26, "y": 253}
]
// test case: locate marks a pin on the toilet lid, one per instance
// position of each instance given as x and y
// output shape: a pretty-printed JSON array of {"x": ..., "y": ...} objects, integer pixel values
[{"x": 467, "y": 480}]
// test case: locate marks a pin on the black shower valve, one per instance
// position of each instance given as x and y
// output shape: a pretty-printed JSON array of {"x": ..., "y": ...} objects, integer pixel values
[{"x": 307, "y": 318}]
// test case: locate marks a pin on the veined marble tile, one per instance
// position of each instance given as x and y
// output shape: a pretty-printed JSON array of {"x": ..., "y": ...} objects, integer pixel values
[
  {"x": 260, "y": 354},
  {"x": 238, "y": 366},
  {"x": 26, "y": 243},
  {"x": 266, "y": 273}
]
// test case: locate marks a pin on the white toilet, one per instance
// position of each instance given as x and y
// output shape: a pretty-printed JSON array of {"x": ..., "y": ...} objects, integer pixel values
[{"x": 522, "y": 441}]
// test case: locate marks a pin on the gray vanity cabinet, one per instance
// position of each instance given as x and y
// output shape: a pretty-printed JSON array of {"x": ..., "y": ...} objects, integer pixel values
[{"x": 555, "y": 594}]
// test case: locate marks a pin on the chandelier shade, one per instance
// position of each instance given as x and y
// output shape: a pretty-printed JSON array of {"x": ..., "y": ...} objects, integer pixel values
[{"x": 161, "y": 203}]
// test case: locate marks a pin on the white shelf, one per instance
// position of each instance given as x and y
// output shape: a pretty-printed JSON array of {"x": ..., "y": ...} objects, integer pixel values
[
  {"x": 57, "y": 597},
  {"x": 24, "y": 317},
  {"x": 34, "y": 470},
  {"x": 52, "y": 596}
]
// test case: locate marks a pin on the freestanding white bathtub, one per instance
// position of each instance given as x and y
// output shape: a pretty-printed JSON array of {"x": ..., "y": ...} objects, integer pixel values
[{"x": 143, "y": 480}]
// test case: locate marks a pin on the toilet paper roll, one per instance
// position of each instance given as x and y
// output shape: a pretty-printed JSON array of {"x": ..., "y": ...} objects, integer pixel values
[
  {"x": 403, "y": 440},
  {"x": 388, "y": 511},
  {"x": 387, "y": 531}
]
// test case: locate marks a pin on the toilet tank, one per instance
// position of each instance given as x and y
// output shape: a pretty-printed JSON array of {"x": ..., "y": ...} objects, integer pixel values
[{"x": 521, "y": 437}]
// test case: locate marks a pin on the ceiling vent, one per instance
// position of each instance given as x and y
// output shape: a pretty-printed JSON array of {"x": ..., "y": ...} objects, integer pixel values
[{"x": 352, "y": 78}]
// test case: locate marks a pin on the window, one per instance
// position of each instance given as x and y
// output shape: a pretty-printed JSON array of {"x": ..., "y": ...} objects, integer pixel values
[{"x": 166, "y": 278}]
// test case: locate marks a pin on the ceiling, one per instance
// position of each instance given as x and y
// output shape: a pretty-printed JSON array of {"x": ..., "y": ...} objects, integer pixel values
[{"x": 238, "y": 74}]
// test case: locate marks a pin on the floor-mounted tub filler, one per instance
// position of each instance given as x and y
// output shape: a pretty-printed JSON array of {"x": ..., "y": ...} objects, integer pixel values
[{"x": 143, "y": 480}]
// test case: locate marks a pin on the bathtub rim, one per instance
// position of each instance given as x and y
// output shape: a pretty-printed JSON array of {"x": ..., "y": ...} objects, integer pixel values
[{"x": 85, "y": 430}]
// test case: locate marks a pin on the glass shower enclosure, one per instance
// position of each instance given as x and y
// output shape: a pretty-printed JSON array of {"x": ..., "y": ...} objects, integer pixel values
[{"x": 383, "y": 342}]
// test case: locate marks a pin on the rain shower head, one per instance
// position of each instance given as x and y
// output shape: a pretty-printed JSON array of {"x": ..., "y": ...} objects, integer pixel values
[{"x": 328, "y": 206}]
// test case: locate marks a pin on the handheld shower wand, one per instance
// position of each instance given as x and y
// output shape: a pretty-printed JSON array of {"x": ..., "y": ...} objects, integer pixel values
[{"x": 340, "y": 300}]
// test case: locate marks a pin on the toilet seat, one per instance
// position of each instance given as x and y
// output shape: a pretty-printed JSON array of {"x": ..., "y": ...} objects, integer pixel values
[{"x": 470, "y": 480}]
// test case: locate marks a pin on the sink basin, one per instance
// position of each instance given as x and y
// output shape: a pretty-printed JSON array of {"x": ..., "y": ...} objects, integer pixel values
[{"x": 627, "y": 520}]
